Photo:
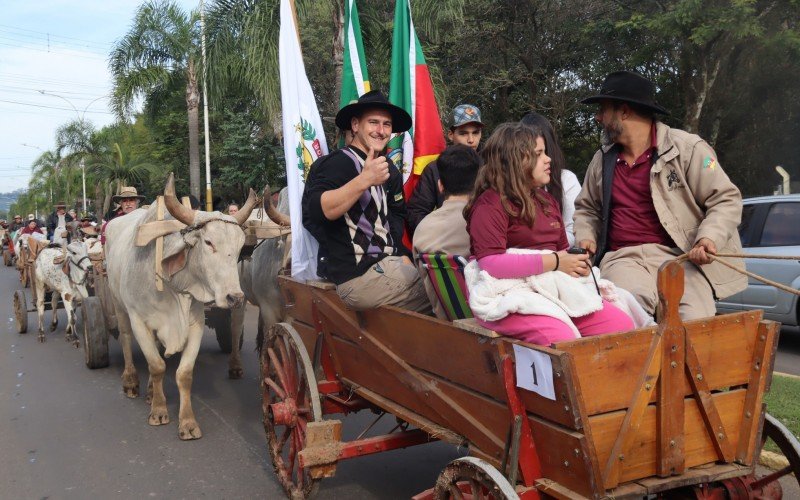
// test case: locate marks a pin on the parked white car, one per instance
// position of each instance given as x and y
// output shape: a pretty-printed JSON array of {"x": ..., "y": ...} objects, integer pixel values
[{"x": 770, "y": 225}]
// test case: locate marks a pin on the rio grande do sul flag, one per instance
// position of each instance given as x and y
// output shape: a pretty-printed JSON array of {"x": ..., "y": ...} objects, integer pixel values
[
  {"x": 410, "y": 88},
  {"x": 355, "y": 79},
  {"x": 303, "y": 139}
]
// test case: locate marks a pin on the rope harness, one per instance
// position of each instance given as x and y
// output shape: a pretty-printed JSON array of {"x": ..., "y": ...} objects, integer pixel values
[{"x": 780, "y": 286}]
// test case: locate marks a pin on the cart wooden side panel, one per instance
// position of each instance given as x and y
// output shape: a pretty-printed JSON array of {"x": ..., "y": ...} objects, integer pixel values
[{"x": 604, "y": 431}]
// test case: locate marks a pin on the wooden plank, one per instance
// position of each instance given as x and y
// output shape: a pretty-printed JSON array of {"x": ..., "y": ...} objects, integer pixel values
[
  {"x": 407, "y": 415},
  {"x": 708, "y": 410},
  {"x": 669, "y": 431},
  {"x": 696, "y": 475},
  {"x": 607, "y": 365},
  {"x": 760, "y": 366},
  {"x": 641, "y": 460},
  {"x": 297, "y": 299},
  {"x": 429, "y": 344},
  {"x": 382, "y": 357},
  {"x": 159, "y": 246},
  {"x": 629, "y": 428}
]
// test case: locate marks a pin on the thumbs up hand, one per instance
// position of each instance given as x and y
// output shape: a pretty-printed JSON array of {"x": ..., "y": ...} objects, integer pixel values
[{"x": 376, "y": 169}]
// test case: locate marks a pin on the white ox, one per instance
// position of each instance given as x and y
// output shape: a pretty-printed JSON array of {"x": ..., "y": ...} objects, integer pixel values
[
  {"x": 64, "y": 271},
  {"x": 199, "y": 267}
]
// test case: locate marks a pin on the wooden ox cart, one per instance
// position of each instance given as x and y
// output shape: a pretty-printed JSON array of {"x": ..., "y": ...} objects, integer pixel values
[
  {"x": 27, "y": 277},
  {"x": 673, "y": 411}
]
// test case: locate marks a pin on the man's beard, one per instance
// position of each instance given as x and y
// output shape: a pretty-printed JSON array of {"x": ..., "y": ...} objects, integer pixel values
[{"x": 612, "y": 132}]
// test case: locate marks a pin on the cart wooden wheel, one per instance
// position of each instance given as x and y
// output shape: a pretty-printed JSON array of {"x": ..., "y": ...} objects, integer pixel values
[
  {"x": 788, "y": 445},
  {"x": 95, "y": 335},
  {"x": 21, "y": 311},
  {"x": 290, "y": 401},
  {"x": 472, "y": 478}
]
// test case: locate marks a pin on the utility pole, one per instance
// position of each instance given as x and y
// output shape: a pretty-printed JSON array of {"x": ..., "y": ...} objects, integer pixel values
[{"x": 209, "y": 203}]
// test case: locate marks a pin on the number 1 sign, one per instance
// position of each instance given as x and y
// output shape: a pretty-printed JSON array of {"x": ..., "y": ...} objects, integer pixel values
[{"x": 534, "y": 371}]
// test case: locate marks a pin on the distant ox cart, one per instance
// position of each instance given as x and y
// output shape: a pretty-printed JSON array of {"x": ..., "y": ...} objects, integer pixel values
[{"x": 672, "y": 411}]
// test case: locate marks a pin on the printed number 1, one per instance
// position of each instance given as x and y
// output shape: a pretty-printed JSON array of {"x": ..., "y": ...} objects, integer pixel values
[{"x": 533, "y": 369}]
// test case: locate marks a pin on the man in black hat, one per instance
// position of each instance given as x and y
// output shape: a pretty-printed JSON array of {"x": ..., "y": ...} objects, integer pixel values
[
  {"x": 652, "y": 193},
  {"x": 353, "y": 203}
]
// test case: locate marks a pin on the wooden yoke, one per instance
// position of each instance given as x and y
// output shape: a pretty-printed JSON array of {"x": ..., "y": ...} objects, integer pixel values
[
  {"x": 670, "y": 407},
  {"x": 159, "y": 246}
]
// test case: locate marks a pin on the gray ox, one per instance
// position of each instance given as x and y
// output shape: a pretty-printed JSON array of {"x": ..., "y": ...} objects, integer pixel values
[
  {"x": 258, "y": 277},
  {"x": 64, "y": 271},
  {"x": 199, "y": 267}
]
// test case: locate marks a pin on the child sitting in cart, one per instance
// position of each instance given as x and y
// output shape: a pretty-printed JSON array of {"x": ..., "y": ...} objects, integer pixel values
[{"x": 517, "y": 237}]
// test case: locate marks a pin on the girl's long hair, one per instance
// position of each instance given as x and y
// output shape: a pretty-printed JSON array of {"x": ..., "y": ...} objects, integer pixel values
[
  {"x": 553, "y": 149},
  {"x": 509, "y": 157}
]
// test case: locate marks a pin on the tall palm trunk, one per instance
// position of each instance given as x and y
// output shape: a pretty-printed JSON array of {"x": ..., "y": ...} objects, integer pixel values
[{"x": 192, "y": 108}]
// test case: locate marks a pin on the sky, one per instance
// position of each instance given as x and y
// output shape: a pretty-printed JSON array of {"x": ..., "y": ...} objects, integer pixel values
[{"x": 54, "y": 69}]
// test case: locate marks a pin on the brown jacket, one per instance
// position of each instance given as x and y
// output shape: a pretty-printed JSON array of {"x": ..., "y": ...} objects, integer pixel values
[
  {"x": 692, "y": 196},
  {"x": 443, "y": 230}
]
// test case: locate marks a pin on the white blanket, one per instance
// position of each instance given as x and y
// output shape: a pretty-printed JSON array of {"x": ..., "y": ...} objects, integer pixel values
[{"x": 552, "y": 293}]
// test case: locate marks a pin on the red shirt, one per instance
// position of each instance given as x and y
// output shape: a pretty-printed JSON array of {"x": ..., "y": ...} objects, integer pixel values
[
  {"x": 634, "y": 220},
  {"x": 492, "y": 231}
]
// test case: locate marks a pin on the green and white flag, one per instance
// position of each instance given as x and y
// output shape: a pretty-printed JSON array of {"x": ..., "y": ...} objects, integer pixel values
[
  {"x": 303, "y": 139},
  {"x": 355, "y": 78}
]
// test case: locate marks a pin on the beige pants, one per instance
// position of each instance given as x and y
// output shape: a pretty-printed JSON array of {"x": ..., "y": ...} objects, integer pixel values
[
  {"x": 636, "y": 270},
  {"x": 389, "y": 282}
]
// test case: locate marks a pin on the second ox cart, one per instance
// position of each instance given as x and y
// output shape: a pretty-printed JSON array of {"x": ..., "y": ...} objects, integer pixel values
[{"x": 673, "y": 411}]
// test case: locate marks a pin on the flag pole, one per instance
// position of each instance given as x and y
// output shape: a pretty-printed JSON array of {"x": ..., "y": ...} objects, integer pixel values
[{"x": 296, "y": 25}]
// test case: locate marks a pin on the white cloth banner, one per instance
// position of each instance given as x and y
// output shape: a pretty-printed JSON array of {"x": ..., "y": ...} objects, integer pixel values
[{"x": 303, "y": 139}]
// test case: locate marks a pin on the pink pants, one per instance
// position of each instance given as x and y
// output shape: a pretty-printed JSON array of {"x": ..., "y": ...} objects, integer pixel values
[{"x": 546, "y": 330}]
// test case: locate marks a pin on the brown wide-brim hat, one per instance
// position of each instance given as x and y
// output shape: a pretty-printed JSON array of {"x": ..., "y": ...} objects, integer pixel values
[
  {"x": 89, "y": 230},
  {"x": 374, "y": 99},
  {"x": 60, "y": 204},
  {"x": 627, "y": 86},
  {"x": 126, "y": 192}
]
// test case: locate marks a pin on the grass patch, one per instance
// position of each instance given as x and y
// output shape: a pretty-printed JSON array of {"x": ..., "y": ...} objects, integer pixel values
[{"x": 783, "y": 403}]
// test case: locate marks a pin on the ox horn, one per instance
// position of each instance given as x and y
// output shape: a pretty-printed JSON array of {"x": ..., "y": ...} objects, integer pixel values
[
  {"x": 272, "y": 212},
  {"x": 244, "y": 212},
  {"x": 174, "y": 207}
]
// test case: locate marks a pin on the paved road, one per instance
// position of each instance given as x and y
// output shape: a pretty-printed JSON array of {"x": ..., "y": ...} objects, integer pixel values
[{"x": 69, "y": 432}]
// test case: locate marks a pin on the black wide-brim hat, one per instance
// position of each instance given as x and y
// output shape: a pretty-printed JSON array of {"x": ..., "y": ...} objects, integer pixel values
[
  {"x": 628, "y": 86},
  {"x": 374, "y": 99}
]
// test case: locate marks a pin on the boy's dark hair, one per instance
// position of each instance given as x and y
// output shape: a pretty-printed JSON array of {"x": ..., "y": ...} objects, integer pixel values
[{"x": 458, "y": 166}]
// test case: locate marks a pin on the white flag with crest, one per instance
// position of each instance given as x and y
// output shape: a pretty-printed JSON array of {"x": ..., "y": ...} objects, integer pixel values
[{"x": 303, "y": 139}]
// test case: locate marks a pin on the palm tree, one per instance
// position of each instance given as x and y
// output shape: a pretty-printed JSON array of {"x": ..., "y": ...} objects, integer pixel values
[
  {"x": 160, "y": 48},
  {"x": 46, "y": 181},
  {"x": 75, "y": 143}
]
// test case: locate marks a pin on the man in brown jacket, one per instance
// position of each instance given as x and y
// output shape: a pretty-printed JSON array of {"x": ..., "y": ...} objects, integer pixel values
[{"x": 652, "y": 193}]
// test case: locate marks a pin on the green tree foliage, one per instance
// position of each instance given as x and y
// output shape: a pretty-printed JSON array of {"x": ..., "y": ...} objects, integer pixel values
[{"x": 159, "y": 51}]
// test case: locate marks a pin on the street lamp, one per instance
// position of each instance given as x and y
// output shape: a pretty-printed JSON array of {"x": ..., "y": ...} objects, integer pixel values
[{"x": 81, "y": 117}]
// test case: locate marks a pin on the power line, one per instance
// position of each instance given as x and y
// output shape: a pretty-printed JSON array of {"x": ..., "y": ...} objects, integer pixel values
[
  {"x": 54, "y": 35},
  {"x": 24, "y": 77},
  {"x": 27, "y": 47},
  {"x": 31, "y": 89},
  {"x": 52, "y": 107}
]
